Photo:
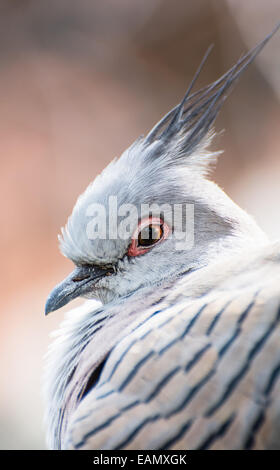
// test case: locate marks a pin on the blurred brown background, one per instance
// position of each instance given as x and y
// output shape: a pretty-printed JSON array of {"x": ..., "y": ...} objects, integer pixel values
[{"x": 79, "y": 81}]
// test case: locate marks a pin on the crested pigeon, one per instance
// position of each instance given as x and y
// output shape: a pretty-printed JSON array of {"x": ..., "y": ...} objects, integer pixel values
[{"x": 178, "y": 344}]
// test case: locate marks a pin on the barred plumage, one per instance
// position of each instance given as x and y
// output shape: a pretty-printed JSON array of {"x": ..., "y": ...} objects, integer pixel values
[{"x": 202, "y": 375}]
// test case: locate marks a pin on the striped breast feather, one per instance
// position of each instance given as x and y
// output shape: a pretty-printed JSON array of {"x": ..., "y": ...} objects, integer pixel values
[{"x": 198, "y": 374}]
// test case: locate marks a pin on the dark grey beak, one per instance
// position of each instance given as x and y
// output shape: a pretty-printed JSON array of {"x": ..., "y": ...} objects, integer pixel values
[{"x": 78, "y": 283}]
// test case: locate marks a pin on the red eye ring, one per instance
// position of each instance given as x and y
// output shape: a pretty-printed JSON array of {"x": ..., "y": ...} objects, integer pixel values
[{"x": 134, "y": 248}]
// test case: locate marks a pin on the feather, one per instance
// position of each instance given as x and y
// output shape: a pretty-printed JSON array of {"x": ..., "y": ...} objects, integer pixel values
[{"x": 190, "y": 121}]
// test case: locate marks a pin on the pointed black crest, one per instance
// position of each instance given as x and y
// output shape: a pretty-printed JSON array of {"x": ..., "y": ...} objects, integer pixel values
[{"x": 191, "y": 119}]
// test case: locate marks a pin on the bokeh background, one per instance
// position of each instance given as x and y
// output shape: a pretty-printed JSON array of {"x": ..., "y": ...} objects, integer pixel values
[{"x": 79, "y": 81}]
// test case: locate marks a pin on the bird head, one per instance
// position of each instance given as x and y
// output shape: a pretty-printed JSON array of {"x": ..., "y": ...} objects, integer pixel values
[{"x": 152, "y": 215}]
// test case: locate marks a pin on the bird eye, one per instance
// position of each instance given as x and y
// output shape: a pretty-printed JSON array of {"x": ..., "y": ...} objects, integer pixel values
[{"x": 149, "y": 232}]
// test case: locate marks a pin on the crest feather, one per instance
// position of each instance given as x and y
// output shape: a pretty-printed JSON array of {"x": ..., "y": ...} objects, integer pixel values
[{"x": 190, "y": 121}]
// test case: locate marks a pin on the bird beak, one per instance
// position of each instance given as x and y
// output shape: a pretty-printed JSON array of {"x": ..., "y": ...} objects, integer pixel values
[{"x": 78, "y": 283}]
